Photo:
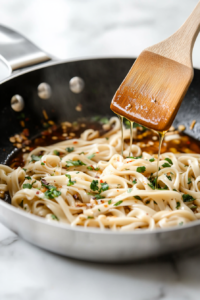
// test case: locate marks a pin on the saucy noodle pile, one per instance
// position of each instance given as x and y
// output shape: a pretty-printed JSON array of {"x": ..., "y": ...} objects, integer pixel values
[{"x": 86, "y": 182}]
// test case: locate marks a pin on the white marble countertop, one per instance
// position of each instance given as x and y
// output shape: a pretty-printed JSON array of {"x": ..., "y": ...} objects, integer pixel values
[{"x": 100, "y": 28}]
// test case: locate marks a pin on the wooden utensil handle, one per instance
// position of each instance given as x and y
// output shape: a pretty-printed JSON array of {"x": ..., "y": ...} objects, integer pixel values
[{"x": 179, "y": 46}]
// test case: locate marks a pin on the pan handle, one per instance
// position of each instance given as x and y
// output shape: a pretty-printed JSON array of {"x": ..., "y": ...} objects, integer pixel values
[{"x": 17, "y": 52}]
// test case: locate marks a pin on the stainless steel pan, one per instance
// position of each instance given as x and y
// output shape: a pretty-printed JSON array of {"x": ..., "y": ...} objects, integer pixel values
[{"x": 25, "y": 68}]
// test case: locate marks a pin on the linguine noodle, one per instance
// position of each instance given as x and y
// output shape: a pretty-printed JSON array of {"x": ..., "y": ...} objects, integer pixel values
[{"x": 86, "y": 182}]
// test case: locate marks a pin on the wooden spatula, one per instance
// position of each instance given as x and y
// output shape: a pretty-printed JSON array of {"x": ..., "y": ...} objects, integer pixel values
[{"x": 157, "y": 82}]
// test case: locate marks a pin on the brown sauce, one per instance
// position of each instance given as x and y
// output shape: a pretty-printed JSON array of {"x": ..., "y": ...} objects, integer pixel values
[{"x": 146, "y": 139}]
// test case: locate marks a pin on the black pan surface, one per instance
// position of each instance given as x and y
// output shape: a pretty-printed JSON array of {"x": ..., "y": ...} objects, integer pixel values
[{"x": 102, "y": 78}]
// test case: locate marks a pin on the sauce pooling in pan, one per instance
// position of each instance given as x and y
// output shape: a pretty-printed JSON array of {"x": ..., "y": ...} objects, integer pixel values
[{"x": 175, "y": 142}]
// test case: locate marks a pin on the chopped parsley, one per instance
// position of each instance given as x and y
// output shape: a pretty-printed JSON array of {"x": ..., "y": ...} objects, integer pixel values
[
  {"x": 137, "y": 197},
  {"x": 68, "y": 149},
  {"x": 72, "y": 163},
  {"x": 24, "y": 170},
  {"x": 104, "y": 120},
  {"x": 94, "y": 185},
  {"x": 174, "y": 190},
  {"x": 51, "y": 192},
  {"x": 104, "y": 187},
  {"x": 152, "y": 159},
  {"x": 21, "y": 203},
  {"x": 90, "y": 156},
  {"x": 98, "y": 197},
  {"x": 134, "y": 181},
  {"x": 54, "y": 217},
  {"x": 135, "y": 157},
  {"x": 28, "y": 177},
  {"x": 56, "y": 152},
  {"x": 89, "y": 217},
  {"x": 189, "y": 180},
  {"x": 91, "y": 168},
  {"x": 42, "y": 163},
  {"x": 110, "y": 201},
  {"x": 35, "y": 158},
  {"x": 169, "y": 177},
  {"x": 187, "y": 198},
  {"x": 118, "y": 203},
  {"x": 99, "y": 209},
  {"x": 27, "y": 186},
  {"x": 151, "y": 186},
  {"x": 169, "y": 160},
  {"x": 181, "y": 223},
  {"x": 70, "y": 181},
  {"x": 193, "y": 207},
  {"x": 178, "y": 204},
  {"x": 147, "y": 202},
  {"x": 129, "y": 190},
  {"x": 166, "y": 165},
  {"x": 141, "y": 169}
]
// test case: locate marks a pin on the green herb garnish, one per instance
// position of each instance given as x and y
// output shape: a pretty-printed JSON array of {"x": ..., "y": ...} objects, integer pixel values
[
  {"x": 72, "y": 163},
  {"x": 189, "y": 180},
  {"x": 187, "y": 198},
  {"x": 118, "y": 203},
  {"x": 28, "y": 177},
  {"x": 54, "y": 217},
  {"x": 92, "y": 168},
  {"x": 178, "y": 204},
  {"x": 104, "y": 120},
  {"x": 68, "y": 149},
  {"x": 134, "y": 181},
  {"x": 141, "y": 169},
  {"x": 152, "y": 159},
  {"x": 193, "y": 207},
  {"x": 70, "y": 181},
  {"x": 104, "y": 187},
  {"x": 169, "y": 160},
  {"x": 137, "y": 197},
  {"x": 181, "y": 223},
  {"x": 94, "y": 185},
  {"x": 110, "y": 201},
  {"x": 89, "y": 217},
  {"x": 169, "y": 177},
  {"x": 35, "y": 158},
  {"x": 129, "y": 190},
  {"x": 147, "y": 202},
  {"x": 151, "y": 186},
  {"x": 24, "y": 170},
  {"x": 166, "y": 165},
  {"x": 21, "y": 203},
  {"x": 42, "y": 163},
  {"x": 27, "y": 186},
  {"x": 135, "y": 157},
  {"x": 90, "y": 156},
  {"x": 56, "y": 152}
]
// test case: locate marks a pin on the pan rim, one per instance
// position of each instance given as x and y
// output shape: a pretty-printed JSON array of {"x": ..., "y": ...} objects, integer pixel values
[{"x": 94, "y": 230}]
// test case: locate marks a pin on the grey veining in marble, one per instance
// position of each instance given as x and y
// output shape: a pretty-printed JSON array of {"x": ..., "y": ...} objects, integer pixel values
[{"x": 84, "y": 28}]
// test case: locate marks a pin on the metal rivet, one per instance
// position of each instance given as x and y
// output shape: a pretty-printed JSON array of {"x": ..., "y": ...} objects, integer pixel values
[
  {"x": 76, "y": 84},
  {"x": 44, "y": 90},
  {"x": 17, "y": 103}
]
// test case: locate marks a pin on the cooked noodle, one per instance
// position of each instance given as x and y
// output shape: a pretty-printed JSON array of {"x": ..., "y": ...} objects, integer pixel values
[{"x": 86, "y": 182}]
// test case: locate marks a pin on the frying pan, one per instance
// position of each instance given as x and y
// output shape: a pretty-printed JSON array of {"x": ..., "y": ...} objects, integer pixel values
[{"x": 26, "y": 67}]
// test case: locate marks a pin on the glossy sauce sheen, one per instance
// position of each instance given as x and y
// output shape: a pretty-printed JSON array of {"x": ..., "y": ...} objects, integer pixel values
[{"x": 147, "y": 140}]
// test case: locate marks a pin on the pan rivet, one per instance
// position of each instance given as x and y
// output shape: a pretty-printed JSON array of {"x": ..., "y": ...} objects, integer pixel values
[
  {"x": 76, "y": 84},
  {"x": 44, "y": 90},
  {"x": 17, "y": 103}
]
